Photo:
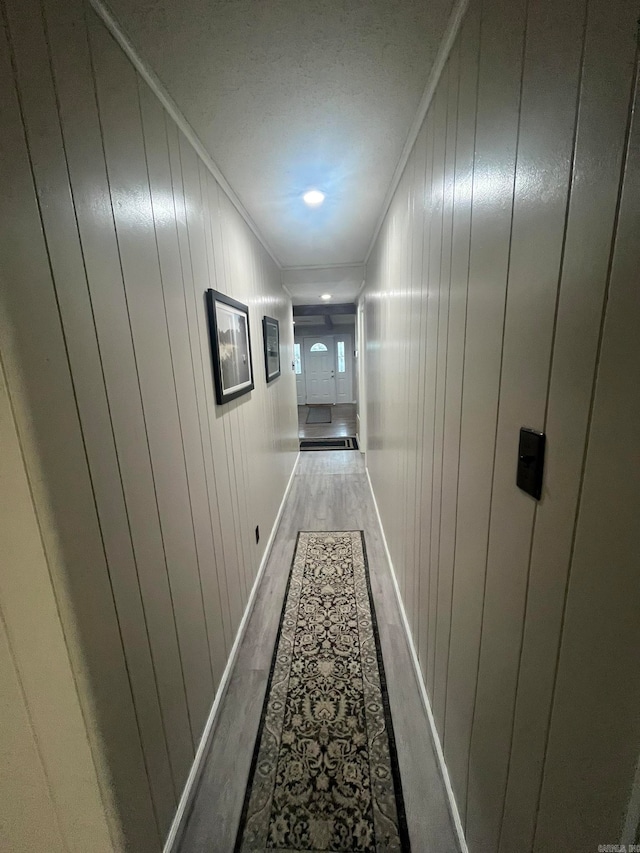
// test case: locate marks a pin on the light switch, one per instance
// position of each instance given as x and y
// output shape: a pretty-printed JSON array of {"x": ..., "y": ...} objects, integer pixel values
[{"x": 530, "y": 462}]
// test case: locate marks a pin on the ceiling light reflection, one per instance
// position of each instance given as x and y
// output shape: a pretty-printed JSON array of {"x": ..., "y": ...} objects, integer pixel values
[{"x": 313, "y": 198}]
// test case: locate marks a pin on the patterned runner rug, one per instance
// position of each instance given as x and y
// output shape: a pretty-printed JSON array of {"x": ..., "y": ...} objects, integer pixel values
[{"x": 324, "y": 775}]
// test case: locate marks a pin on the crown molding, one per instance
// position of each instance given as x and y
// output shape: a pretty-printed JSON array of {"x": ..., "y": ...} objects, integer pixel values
[
  {"x": 449, "y": 37},
  {"x": 156, "y": 86}
]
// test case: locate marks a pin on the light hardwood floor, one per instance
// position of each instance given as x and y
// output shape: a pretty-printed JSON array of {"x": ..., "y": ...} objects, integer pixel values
[
  {"x": 343, "y": 422},
  {"x": 330, "y": 492}
]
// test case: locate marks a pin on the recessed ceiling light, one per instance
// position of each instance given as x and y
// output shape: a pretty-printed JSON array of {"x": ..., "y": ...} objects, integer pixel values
[
  {"x": 313, "y": 198},
  {"x": 325, "y": 296}
]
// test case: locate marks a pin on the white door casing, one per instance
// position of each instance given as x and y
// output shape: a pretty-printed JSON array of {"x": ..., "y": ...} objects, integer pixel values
[
  {"x": 298, "y": 364},
  {"x": 361, "y": 417},
  {"x": 344, "y": 377}
]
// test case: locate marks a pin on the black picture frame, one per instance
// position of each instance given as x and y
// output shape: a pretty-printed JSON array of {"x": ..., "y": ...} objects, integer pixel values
[
  {"x": 230, "y": 337},
  {"x": 271, "y": 345}
]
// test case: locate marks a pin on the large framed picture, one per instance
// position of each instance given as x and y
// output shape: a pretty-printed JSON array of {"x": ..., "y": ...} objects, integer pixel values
[
  {"x": 271, "y": 341},
  {"x": 230, "y": 346}
]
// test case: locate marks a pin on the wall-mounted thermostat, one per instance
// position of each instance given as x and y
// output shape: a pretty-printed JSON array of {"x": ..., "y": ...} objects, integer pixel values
[{"x": 530, "y": 462}]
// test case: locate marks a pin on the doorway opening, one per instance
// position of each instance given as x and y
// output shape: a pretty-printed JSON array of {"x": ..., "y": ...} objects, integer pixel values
[
  {"x": 326, "y": 369},
  {"x": 324, "y": 366},
  {"x": 325, "y": 387}
]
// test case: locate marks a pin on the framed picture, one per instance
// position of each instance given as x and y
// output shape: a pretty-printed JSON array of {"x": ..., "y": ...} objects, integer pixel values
[
  {"x": 230, "y": 346},
  {"x": 271, "y": 340}
]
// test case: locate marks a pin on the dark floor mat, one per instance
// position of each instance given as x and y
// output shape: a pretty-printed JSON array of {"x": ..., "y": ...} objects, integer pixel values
[
  {"x": 319, "y": 415},
  {"x": 348, "y": 443}
]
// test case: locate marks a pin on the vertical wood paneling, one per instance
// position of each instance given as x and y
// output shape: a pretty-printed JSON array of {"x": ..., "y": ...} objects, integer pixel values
[
  {"x": 204, "y": 277},
  {"x": 386, "y": 414},
  {"x": 432, "y": 332},
  {"x": 608, "y": 62},
  {"x": 236, "y": 264},
  {"x": 85, "y": 160},
  {"x": 463, "y": 183},
  {"x": 403, "y": 350},
  {"x": 157, "y": 158},
  {"x": 554, "y": 37},
  {"x": 58, "y": 216},
  {"x": 493, "y": 181},
  {"x": 442, "y": 595},
  {"x": 591, "y": 757},
  {"x": 423, "y": 576},
  {"x": 191, "y": 261},
  {"x": 31, "y": 823},
  {"x": 44, "y": 399},
  {"x": 117, "y": 92},
  {"x": 410, "y": 364},
  {"x": 396, "y": 258},
  {"x": 523, "y": 144},
  {"x": 47, "y": 699},
  {"x": 415, "y": 341},
  {"x": 229, "y": 283},
  {"x": 147, "y": 493}
]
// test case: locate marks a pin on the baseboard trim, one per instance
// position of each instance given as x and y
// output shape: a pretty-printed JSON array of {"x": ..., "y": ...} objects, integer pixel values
[
  {"x": 453, "y": 806},
  {"x": 176, "y": 829}
]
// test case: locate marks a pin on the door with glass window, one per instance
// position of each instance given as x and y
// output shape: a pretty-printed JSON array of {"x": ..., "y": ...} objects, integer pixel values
[
  {"x": 301, "y": 390},
  {"x": 319, "y": 369}
]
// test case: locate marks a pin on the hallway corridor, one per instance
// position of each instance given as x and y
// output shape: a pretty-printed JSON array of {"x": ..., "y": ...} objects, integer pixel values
[
  {"x": 330, "y": 491},
  {"x": 212, "y": 212}
]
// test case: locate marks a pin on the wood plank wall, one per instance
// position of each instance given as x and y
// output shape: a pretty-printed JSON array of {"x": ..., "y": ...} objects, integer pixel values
[
  {"x": 502, "y": 292},
  {"x": 49, "y": 791},
  {"x": 147, "y": 494}
]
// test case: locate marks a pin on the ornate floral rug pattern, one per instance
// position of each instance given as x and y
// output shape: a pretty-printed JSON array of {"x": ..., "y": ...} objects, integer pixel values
[{"x": 324, "y": 775}]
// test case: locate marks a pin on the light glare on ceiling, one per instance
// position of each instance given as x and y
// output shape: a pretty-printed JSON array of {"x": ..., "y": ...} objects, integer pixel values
[
  {"x": 325, "y": 296},
  {"x": 313, "y": 198}
]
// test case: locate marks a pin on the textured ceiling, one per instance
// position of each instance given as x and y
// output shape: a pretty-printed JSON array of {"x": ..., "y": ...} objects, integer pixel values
[{"x": 288, "y": 94}]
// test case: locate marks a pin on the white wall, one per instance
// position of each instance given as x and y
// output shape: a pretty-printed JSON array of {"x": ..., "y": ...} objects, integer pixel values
[
  {"x": 502, "y": 292},
  {"x": 145, "y": 492}
]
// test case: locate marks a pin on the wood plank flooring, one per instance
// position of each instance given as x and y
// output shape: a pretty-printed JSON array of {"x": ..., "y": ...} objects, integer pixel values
[
  {"x": 343, "y": 422},
  {"x": 330, "y": 492}
]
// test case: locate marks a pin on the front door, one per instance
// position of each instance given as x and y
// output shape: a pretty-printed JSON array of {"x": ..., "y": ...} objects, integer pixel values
[{"x": 319, "y": 368}]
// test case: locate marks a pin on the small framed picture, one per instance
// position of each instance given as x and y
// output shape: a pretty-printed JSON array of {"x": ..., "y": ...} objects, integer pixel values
[
  {"x": 230, "y": 346},
  {"x": 271, "y": 340}
]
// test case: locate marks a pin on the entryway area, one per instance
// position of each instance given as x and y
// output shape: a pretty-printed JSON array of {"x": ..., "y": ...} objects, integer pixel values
[
  {"x": 324, "y": 366},
  {"x": 326, "y": 345},
  {"x": 342, "y": 423}
]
